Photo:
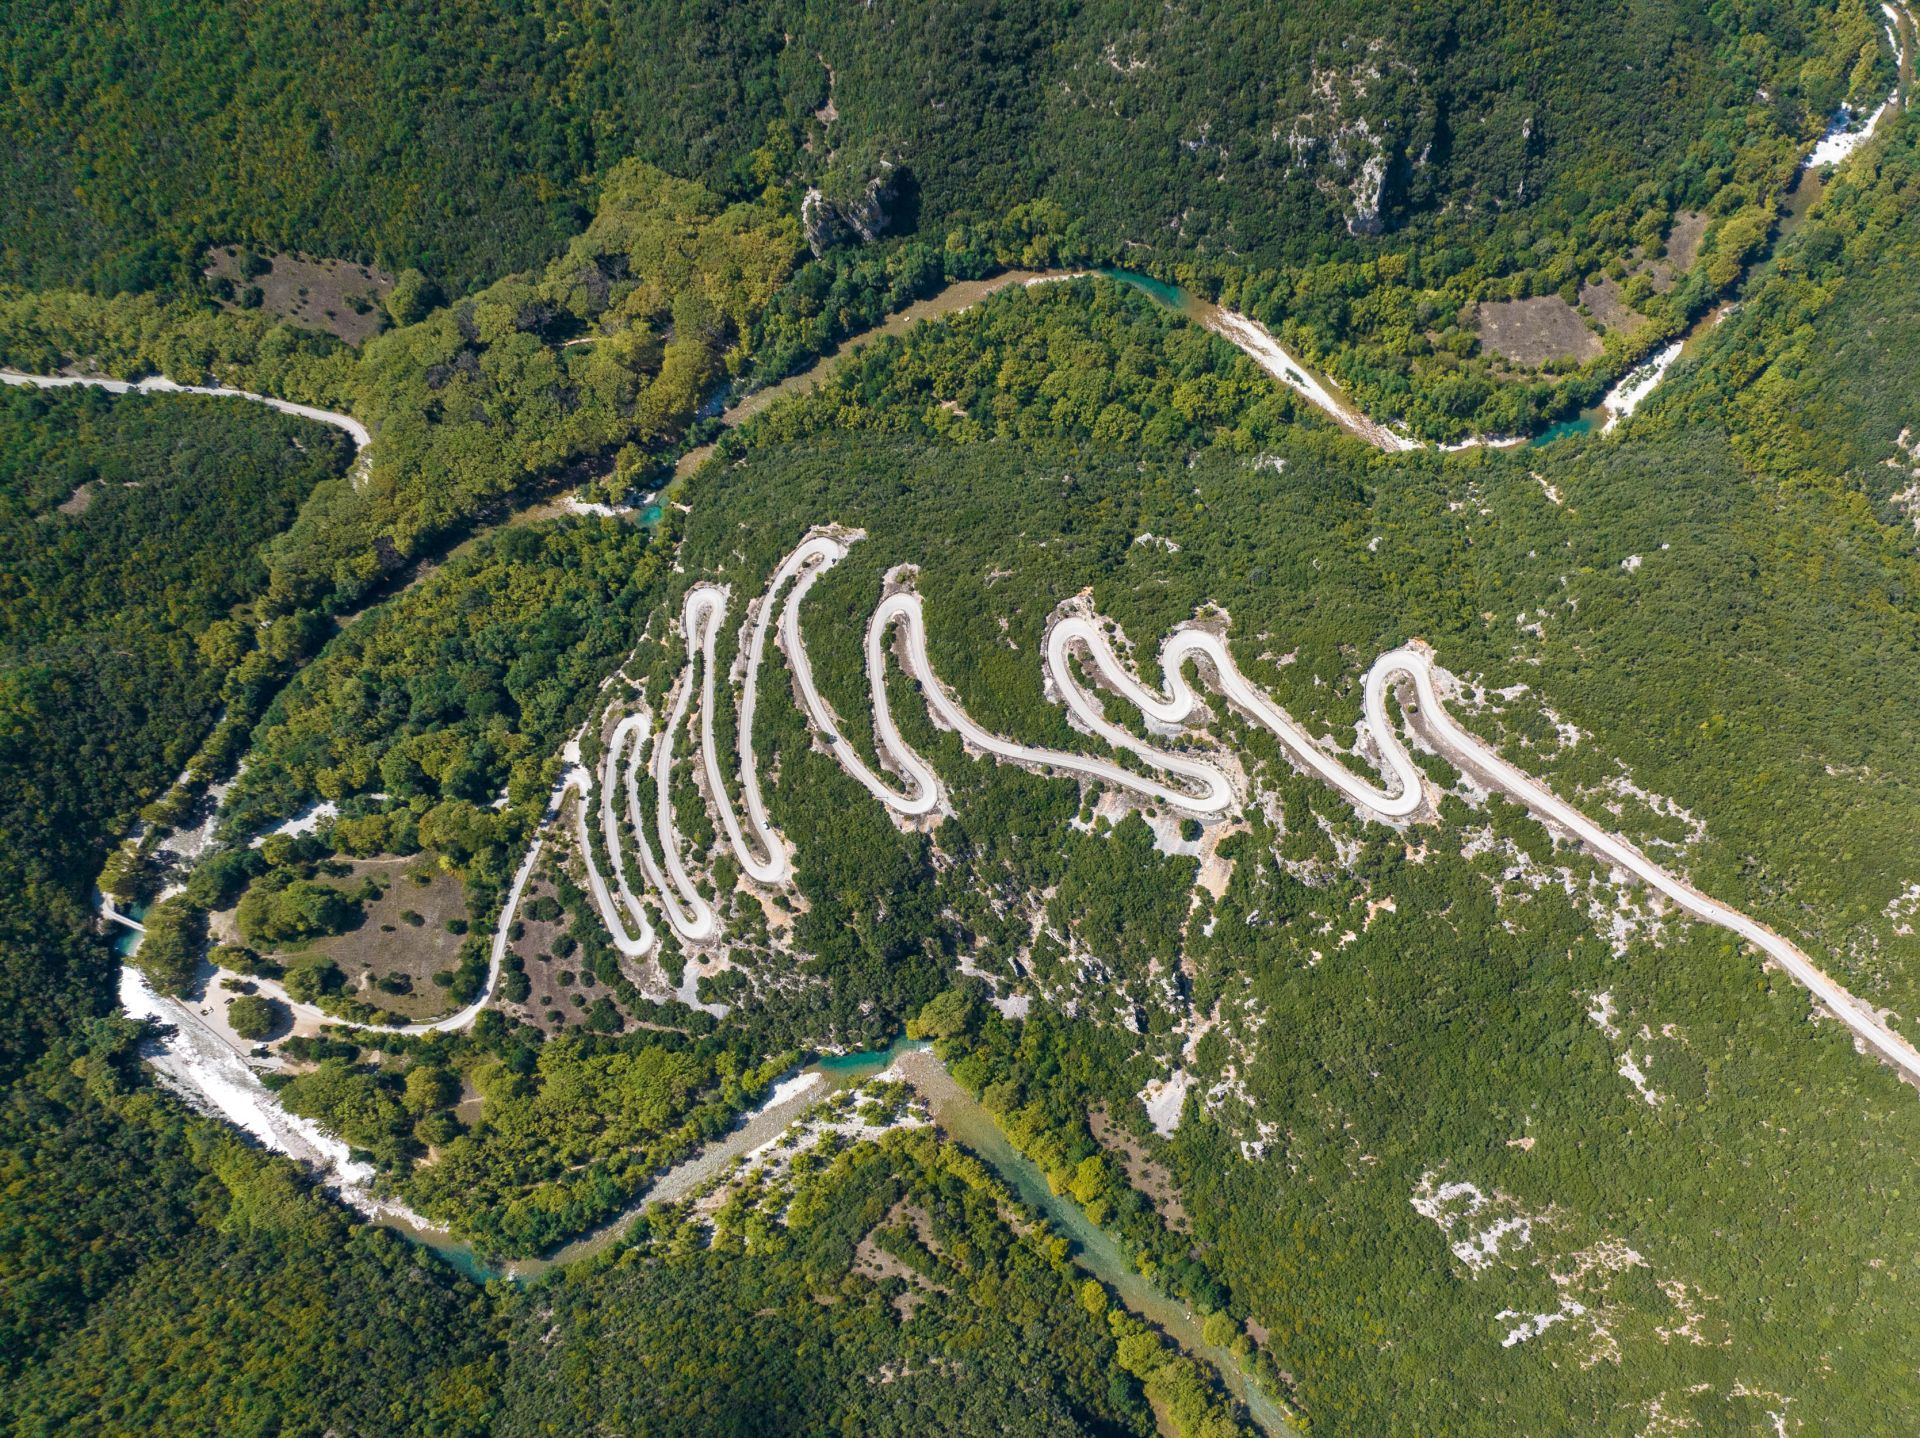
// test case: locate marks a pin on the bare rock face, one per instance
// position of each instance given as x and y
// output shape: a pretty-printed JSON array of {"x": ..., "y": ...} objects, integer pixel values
[
  {"x": 1347, "y": 156},
  {"x": 862, "y": 218},
  {"x": 821, "y": 221},
  {"x": 1340, "y": 139},
  {"x": 1368, "y": 189}
]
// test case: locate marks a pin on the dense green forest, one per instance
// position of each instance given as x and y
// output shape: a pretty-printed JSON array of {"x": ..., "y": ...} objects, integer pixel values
[
  {"x": 163, "y": 1276},
  {"x": 434, "y": 134},
  {"x": 1816, "y": 366},
  {"x": 1360, "y": 176},
  {"x": 462, "y": 141},
  {"x": 1444, "y": 1129},
  {"x": 461, "y": 688},
  {"x": 135, "y": 531}
]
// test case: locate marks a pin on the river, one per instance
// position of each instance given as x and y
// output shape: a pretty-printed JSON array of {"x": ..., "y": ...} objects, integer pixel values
[
  {"x": 959, "y": 1116},
  {"x": 1844, "y": 136},
  {"x": 1247, "y": 335},
  {"x": 1094, "y": 1249}
]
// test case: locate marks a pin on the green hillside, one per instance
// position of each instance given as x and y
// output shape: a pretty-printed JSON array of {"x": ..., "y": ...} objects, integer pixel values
[{"x": 542, "y": 1039}]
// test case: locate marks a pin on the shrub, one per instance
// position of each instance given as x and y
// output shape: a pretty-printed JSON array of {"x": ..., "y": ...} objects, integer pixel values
[
  {"x": 413, "y": 295},
  {"x": 239, "y": 959},
  {"x": 253, "y": 1016},
  {"x": 170, "y": 951},
  {"x": 277, "y": 910},
  {"x": 314, "y": 979}
]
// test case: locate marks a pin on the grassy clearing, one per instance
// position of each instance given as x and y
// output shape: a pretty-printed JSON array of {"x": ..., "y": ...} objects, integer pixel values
[
  {"x": 402, "y": 940},
  {"x": 339, "y": 297},
  {"x": 1536, "y": 331}
]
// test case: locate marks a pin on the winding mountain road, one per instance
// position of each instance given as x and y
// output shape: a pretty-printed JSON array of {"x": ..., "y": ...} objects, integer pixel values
[
  {"x": 1075, "y": 635},
  {"x": 160, "y": 384},
  {"x": 1192, "y": 783},
  {"x": 1410, "y": 665}
]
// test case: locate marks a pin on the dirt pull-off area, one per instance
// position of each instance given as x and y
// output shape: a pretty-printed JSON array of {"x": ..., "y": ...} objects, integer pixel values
[
  {"x": 1536, "y": 331},
  {"x": 78, "y": 502},
  {"x": 337, "y": 296}
]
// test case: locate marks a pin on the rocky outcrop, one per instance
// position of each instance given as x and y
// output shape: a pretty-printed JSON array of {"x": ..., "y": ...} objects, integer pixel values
[
  {"x": 1368, "y": 190},
  {"x": 1342, "y": 141},
  {"x": 860, "y": 218}
]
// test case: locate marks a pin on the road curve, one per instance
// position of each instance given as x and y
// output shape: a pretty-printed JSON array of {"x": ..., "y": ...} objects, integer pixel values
[
  {"x": 1213, "y": 791},
  {"x": 902, "y": 609},
  {"x": 1465, "y": 751},
  {"x": 765, "y": 860},
  {"x": 160, "y": 384},
  {"x": 922, "y": 796},
  {"x": 639, "y": 943},
  {"x": 690, "y": 915},
  {"x": 813, "y": 555},
  {"x": 1407, "y": 797}
]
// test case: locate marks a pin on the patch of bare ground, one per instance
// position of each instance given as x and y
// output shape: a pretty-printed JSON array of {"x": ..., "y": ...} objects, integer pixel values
[
  {"x": 338, "y": 296},
  {"x": 538, "y": 938},
  {"x": 1689, "y": 227},
  {"x": 470, "y": 1105},
  {"x": 872, "y": 1261},
  {"x": 404, "y": 937},
  {"x": 402, "y": 940},
  {"x": 1216, "y": 871},
  {"x": 1683, "y": 239},
  {"x": 76, "y": 503},
  {"x": 1606, "y": 303},
  {"x": 1535, "y": 331},
  {"x": 561, "y": 985},
  {"x": 1164, "y": 1422},
  {"x": 1144, "y": 1172}
]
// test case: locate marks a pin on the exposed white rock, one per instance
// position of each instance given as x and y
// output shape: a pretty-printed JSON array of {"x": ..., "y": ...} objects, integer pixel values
[{"x": 1165, "y": 1101}]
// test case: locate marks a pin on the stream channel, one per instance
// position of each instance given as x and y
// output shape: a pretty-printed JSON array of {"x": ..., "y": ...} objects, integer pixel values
[{"x": 962, "y": 1120}]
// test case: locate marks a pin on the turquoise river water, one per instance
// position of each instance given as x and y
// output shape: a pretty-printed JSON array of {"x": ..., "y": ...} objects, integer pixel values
[{"x": 964, "y": 1121}]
